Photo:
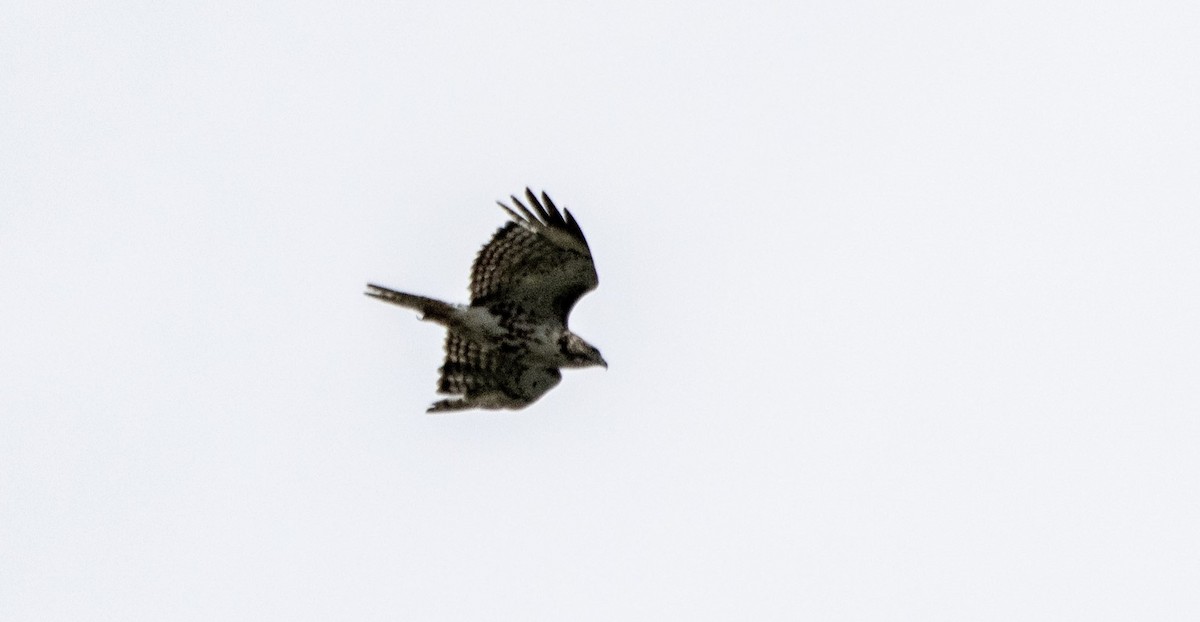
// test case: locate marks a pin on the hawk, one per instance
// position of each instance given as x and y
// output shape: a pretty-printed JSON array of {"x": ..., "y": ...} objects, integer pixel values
[{"x": 505, "y": 349}]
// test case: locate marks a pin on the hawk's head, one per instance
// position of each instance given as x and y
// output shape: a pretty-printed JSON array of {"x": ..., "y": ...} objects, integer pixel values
[{"x": 579, "y": 353}]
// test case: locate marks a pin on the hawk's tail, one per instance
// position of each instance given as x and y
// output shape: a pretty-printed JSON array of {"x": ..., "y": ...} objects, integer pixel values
[
  {"x": 434, "y": 310},
  {"x": 450, "y": 405}
]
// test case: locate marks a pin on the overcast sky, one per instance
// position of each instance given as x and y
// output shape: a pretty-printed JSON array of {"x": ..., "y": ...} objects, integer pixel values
[{"x": 900, "y": 304}]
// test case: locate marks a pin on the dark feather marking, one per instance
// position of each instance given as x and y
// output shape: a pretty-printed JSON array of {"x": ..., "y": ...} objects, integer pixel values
[
  {"x": 521, "y": 206},
  {"x": 533, "y": 200},
  {"x": 555, "y": 217},
  {"x": 573, "y": 227}
]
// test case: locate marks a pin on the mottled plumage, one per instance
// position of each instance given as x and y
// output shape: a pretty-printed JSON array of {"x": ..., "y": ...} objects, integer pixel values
[{"x": 505, "y": 349}]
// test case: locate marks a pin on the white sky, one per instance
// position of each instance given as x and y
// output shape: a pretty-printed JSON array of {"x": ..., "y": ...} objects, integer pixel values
[{"x": 899, "y": 301}]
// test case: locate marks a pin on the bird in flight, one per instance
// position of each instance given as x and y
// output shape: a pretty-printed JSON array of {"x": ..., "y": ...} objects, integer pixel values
[{"x": 505, "y": 349}]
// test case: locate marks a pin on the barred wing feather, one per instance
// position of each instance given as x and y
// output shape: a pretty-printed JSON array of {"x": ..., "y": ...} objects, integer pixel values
[{"x": 539, "y": 262}]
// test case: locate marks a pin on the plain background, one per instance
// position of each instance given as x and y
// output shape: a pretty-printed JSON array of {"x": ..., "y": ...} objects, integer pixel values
[{"x": 900, "y": 302}]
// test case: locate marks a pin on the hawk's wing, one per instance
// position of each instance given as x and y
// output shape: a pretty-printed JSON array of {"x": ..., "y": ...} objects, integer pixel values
[
  {"x": 489, "y": 376},
  {"x": 540, "y": 262}
]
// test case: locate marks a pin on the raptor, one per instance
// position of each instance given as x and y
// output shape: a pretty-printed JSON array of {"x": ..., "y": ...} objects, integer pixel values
[{"x": 506, "y": 348}]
